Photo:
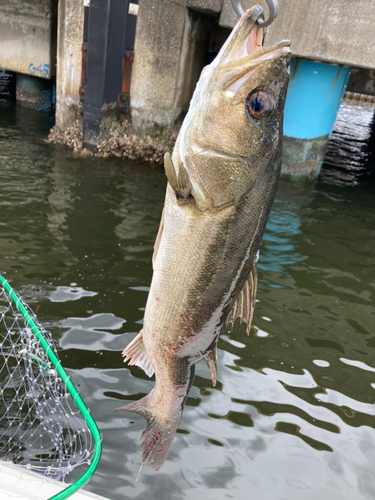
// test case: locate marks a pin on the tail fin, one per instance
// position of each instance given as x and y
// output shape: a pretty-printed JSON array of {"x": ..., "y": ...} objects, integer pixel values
[{"x": 157, "y": 437}]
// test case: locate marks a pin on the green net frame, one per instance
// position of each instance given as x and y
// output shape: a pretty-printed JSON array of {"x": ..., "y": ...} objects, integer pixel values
[{"x": 79, "y": 483}]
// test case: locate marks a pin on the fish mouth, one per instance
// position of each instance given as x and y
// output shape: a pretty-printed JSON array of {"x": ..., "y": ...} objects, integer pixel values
[
  {"x": 243, "y": 52},
  {"x": 246, "y": 39},
  {"x": 239, "y": 70}
]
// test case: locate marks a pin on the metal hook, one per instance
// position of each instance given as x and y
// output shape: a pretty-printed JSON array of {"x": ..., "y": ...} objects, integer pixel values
[{"x": 273, "y": 8}]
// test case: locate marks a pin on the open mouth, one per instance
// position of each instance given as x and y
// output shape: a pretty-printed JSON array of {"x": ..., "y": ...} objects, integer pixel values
[
  {"x": 253, "y": 43},
  {"x": 246, "y": 38},
  {"x": 243, "y": 52},
  {"x": 234, "y": 81}
]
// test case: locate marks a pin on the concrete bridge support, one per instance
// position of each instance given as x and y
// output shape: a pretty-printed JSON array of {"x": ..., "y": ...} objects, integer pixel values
[
  {"x": 326, "y": 43},
  {"x": 328, "y": 39},
  {"x": 174, "y": 40},
  {"x": 69, "y": 63},
  {"x": 94, "y": 54},
  {"x": 28, "y": 49},
  {"x": 28, "y": 37},
  {"x": 110, "y": 45},
  {"x": 170, "y": 52},
  {"x": 314, "y": 95}
]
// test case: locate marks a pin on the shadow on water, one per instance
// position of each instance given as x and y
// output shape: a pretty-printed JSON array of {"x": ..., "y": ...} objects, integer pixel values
[{"x": 293, "y": 412}]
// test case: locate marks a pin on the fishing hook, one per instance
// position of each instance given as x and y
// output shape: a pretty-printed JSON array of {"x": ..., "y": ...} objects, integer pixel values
[{"x": 273, "y": 8}]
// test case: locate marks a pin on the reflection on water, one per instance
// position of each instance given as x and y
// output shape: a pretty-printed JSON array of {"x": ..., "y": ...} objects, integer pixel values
[
  {"x": 292, "y": 415},
  {"x": 350, "y": 157},
  {"x": 278, "y": 251}
]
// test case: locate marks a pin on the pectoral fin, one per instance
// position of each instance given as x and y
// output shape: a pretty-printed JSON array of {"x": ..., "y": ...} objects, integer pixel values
[
  {"x": 180, "y": 184},
  {"x": 211, "y": 360},
  {"x": 136, "y": 353},
  {"x": 243, "y": 308}
]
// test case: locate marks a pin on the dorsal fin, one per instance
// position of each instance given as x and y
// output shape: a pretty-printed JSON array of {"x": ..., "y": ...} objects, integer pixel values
[
  {"x": 243, "y": 307},
  {"x": 158, "y": 239},
  {"x": 211, "y": 360},
  {"x": 181, "y": 185}
]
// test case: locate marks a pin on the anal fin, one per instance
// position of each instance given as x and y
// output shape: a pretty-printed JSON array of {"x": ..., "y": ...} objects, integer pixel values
[
  {"x": 243, "y": 308},
  {"x": 136, "y": 353},
  {"x": 211, "y": 360}
]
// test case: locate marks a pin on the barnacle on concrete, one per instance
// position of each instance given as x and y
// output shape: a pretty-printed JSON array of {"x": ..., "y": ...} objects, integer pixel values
[
  {"x": 72, "y": 137},
  {"x": 121, "y": 143}
]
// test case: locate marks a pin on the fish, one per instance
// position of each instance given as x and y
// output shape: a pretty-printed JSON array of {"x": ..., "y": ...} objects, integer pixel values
[{"x": 222, "y": 178}]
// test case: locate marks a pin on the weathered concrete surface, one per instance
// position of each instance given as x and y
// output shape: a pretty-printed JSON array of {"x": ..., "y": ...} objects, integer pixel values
[
  {"x": 69, "y": 62},
  {"x": 28, "y": 36},
  {"x": 33, "y": 92},
  {"x": 209, "y": 6},
  {"x": 170, "y": 46},
  {"x": 303, "y": 157},
  {"x": 336, "y": 31},
  {"x": 362, "y": 81},
  {"x": 157, "y": 51}
]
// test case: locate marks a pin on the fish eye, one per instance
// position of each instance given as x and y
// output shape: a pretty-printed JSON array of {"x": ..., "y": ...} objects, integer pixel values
[{"x": 259, "y": 104}]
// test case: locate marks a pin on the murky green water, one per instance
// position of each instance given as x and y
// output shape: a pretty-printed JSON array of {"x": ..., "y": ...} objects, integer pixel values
[{"x": 293, "y": 414}]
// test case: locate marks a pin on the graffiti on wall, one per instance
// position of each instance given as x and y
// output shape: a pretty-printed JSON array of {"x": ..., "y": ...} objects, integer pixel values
[{"x": 40, "y": 70}]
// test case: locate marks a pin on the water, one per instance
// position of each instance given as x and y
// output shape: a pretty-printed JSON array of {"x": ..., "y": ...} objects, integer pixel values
[
  {"x": 293, "y": 413},
  {"x": 351, "y": 151}
]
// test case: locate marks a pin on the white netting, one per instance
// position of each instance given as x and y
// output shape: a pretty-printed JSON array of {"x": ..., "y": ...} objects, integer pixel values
[{"x": 40, "y": 426}]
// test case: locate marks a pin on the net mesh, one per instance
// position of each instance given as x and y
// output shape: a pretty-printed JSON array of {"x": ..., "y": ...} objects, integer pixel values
[{"x": 40, "y": 426}]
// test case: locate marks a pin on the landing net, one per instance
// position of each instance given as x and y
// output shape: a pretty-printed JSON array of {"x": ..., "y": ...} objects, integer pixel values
[{"x": 44, "y": 424}]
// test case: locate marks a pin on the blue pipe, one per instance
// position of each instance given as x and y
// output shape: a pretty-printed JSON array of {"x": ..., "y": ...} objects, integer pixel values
[{"x": 314, "y": 94}]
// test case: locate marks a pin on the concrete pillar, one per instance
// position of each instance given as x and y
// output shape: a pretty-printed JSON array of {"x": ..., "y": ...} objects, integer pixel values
[
  {"x": 35, "y": 93},
  {"x": 170, "y": 47},
  {"x": 69, "y": 62},
  {"x": 110, "y": 45},
  {"x": 314, "y": 95},
  {"x": 28, "y": 37}
]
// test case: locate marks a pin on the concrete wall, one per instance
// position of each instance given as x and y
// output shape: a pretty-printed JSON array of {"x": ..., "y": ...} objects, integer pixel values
[
  {"x": 336, "y": 31},
  {"x": 207, "y": 6},
  {"x": 69, "y": 62},
  {"x": 28, "y": 36},
  {"x": 170, "y": 47}
]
